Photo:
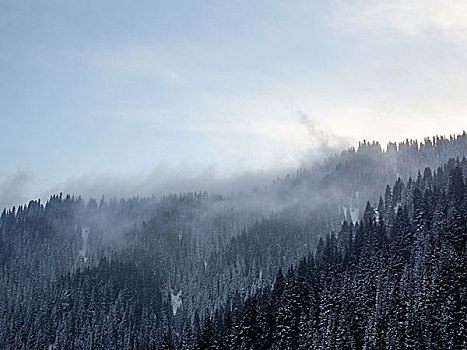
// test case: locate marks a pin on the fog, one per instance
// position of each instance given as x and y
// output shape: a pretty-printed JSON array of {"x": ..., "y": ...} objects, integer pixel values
[
  {"x": 164, "y": 180},
  {"x": 21, "y": 186},
  {"x": 15, "y": 188},
  {"x": 323, "y": 142}
]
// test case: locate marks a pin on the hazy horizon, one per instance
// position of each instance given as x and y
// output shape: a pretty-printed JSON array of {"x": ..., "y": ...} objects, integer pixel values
[{"x": 164, "y": 180}]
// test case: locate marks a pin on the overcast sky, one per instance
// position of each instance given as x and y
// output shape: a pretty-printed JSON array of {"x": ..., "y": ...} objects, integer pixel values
[{"x": 128, "y": 90}]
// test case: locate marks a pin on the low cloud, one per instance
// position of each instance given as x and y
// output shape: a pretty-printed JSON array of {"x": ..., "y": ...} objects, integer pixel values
[
  {"x": 323, "y": 142},
  {"x": 163, "y": 180},
  {"x": 316, "y": 142},
  {"x": 14, "y": 189},
  {"x": 299, "y": 142}
]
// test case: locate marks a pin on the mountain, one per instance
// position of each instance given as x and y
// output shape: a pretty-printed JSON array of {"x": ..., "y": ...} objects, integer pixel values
[
  {"x": 395, "y": 280},
  {"x": 372, "y": 242}
]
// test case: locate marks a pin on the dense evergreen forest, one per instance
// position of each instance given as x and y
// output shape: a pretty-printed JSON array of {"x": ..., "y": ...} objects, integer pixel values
[
  {"x": 396, "y": 280},
  {"x": 366, "y": 250}
]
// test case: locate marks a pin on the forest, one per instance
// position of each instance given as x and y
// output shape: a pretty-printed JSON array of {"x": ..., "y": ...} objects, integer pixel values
[{"x": 363, "y": 250}]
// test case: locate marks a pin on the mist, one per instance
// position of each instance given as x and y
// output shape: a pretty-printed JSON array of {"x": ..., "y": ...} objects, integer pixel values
[
  {"x": 15, "y": 188},
  {"x": 19, "y": 187},
  {"x": 162, "y": 181},
  {"x": 323, "y": 142}
]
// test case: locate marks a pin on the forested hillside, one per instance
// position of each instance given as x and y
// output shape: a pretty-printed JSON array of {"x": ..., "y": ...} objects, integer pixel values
[
  {"x": 396, "y": 280},
  {"x": 364, "y": 250}
]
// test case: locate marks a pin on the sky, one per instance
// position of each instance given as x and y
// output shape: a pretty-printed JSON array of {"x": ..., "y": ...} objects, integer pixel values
[{"x": 133, "y": 97}]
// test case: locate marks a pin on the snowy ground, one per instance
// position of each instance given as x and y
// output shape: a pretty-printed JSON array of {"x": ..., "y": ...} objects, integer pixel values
[
  {"x": 84, "y": 238},
  {"x": 176, "y": 300}
]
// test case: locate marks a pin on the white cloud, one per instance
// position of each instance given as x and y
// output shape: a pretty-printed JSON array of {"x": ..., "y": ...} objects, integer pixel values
[
  {"x": 163, "y": 180},
  {"x": 398, "y": 68},
  {"x": 433, "y": 18},
  {"x": 14, "y": 189}
]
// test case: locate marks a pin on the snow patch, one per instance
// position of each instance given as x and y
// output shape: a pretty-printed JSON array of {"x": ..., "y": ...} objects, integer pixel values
[
  {"x": 377, "y": 215},
  {"x": 176, "y": 300},
  {"x": 354, "y": 214},
  {"x": 84, "y": 238}
]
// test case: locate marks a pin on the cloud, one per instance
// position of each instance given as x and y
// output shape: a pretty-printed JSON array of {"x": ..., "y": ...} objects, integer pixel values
[
  {"x": 266, "y": 137},
  {"x": 443, "y": 19},
  {"x": 164, "y": 180},
  {"x": 224, "y": 90},
  {"x": 322, "y": 141},
  {"x": 375, "y": 66},
  {"x": 14, "y": 189}
]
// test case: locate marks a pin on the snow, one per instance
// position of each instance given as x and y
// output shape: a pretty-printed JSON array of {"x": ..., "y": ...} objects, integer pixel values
[
  {"x": 354, "y": 214},
  {"x": 377, "y": 215},
  {"x": 176, "y": 300},
  {"x": 84, "y": 247},
  {"x": 397, "y": 206}
]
